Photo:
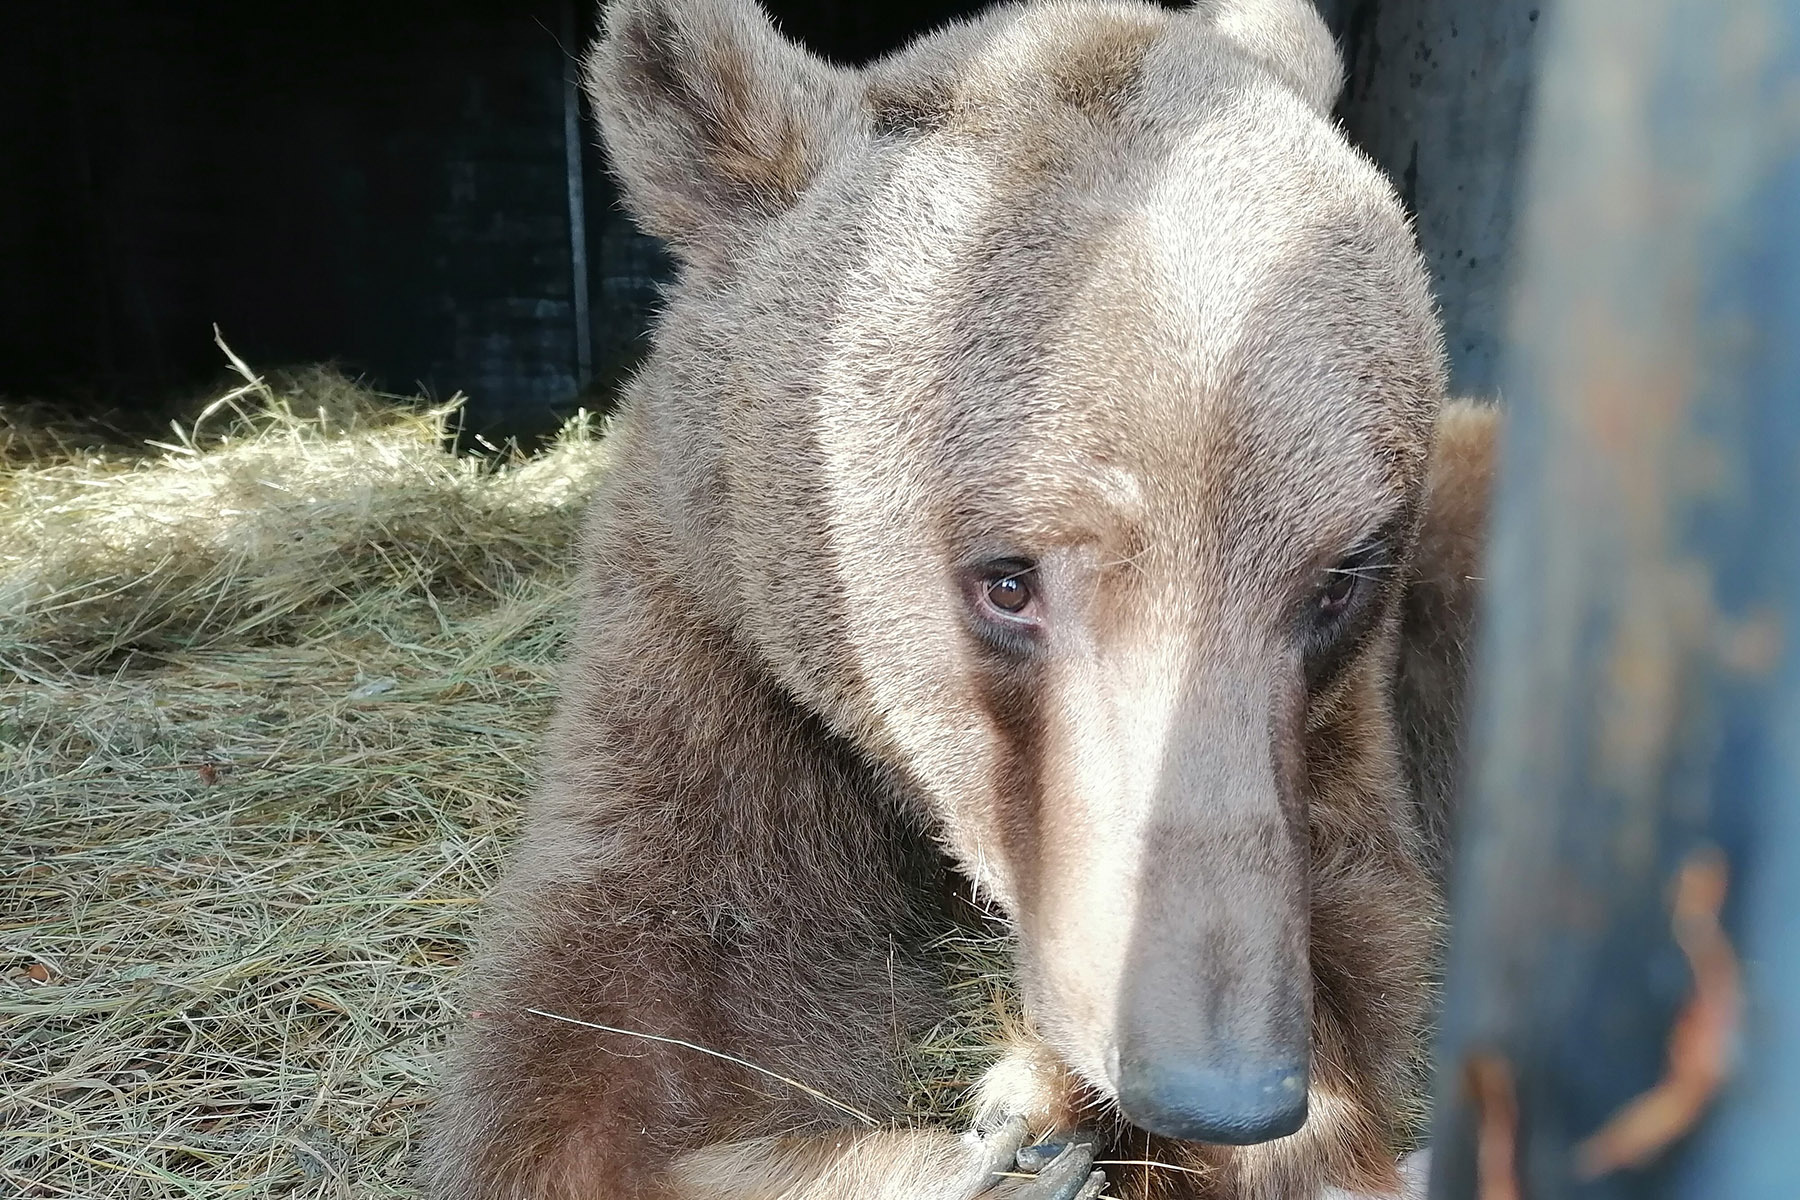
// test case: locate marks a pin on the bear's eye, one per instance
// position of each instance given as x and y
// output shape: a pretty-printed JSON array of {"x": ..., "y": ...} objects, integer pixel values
[
  {"x": 1006, "y": 591},
  {"x": 1339, "y": 594},
  {"x": 1336, "y": 593},
  {"x": 1340, "y": 608},
  {"x": 1009, "y": 595}
]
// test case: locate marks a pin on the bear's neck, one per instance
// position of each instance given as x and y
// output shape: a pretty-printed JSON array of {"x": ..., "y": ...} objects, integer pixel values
[{"x": 689, "y": 750}]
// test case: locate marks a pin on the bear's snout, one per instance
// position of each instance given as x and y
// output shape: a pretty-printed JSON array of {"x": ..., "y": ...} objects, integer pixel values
[{"x": 1237, "y": 1100}]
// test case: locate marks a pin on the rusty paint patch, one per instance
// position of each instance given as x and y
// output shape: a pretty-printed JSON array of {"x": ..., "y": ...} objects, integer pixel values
[
  {"x": 1488, "y": 1079},
  {"x": 1700, "y": 1041}
]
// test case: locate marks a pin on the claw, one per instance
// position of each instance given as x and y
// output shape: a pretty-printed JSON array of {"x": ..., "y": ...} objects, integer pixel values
[
  {"x": 1000, "y": 1149},
  {"x": 1096, "y": 1183},
  {"x": 1069, "y": 1176}
]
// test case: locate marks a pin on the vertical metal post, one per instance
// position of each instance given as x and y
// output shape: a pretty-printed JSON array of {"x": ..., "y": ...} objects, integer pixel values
[
  {"x": 578, "y": 251},
  {"x": 1623, "y": 1010}
]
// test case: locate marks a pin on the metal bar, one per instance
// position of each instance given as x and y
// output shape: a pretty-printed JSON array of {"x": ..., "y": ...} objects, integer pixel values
[
  {"x": 1623, "y": 1009},
  {"x": 578, "y": 251}
]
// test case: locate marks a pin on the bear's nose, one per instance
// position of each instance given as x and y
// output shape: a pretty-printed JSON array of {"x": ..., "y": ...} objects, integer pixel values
[{"x": 1228, "y": 1103}]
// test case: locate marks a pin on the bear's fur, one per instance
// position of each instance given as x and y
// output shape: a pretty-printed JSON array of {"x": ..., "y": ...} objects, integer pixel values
[{"x": 1083, "y": 304}]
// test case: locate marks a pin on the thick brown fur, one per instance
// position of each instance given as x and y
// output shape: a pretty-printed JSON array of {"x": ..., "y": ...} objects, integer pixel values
[{"x": 1089, "y": 283}]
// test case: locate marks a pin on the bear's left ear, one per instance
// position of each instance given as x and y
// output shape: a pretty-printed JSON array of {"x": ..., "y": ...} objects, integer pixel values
[
  {"x": 1440, "y": 612},
  {"x": 1286, "y": 36},
  {"x": 714, "y": 121}
]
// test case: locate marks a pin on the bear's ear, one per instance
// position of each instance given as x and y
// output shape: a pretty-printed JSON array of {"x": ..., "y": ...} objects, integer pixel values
[
  {"x": 1286, "y": 36},
  {"x": 713, "y": 120},
  {"x": 1440, "y": 611}
]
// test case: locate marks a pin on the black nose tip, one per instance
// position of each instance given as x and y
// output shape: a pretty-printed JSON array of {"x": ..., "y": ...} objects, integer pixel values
[{"x": 1225, "y": 1104}]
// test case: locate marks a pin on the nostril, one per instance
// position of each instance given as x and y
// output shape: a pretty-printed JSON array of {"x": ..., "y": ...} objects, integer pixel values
[{"x": 1235, "y": 1104}]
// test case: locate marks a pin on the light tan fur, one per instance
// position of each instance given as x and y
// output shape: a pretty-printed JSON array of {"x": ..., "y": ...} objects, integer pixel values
[{"x": 1086, "y": 283}]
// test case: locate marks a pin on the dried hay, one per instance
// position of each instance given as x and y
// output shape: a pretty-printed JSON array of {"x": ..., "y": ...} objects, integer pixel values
[{"x": 268, "y": 704}]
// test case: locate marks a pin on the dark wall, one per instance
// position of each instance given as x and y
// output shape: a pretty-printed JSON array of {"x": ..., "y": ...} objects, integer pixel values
[
  {"x": 389, "y": 184},
  {"x": 1439, "y": 92},
  {"x": 380, "y": 183},
  {"x": 386, "y": 183}
]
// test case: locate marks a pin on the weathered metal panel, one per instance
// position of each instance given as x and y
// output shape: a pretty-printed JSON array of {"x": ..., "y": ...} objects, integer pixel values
[
  {"x": 1438, "y": 92},
  {"x": 1638, "y": 734},
  {"x": 383, "y": 184}
]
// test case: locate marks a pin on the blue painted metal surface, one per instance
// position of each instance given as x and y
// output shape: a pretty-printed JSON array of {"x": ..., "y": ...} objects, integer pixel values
[{"x": 1640, "y": 695}]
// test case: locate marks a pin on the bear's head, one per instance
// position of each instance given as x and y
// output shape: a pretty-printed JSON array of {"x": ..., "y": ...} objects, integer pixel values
[{"x": 1047, "y": 406}]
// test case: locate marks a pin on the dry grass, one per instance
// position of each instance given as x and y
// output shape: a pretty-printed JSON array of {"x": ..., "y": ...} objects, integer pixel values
[
  {"x": 269, "y": 694},
  {"x": 270, "y": 699}
]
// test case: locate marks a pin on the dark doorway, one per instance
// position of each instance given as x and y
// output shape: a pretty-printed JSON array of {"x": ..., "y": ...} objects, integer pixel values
[
  {"x": 389, "y": 184},
  {"x": 385, "y": 185}
]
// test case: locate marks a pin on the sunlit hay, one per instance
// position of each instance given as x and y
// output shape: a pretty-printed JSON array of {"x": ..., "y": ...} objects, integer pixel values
[
  {"x": 949, "y": 1059},
  {"x": 269, "y": 698},
  {"x": 254, "y": 523}
]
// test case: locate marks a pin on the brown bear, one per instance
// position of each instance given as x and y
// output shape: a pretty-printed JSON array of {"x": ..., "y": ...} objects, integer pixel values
[{"x": 1021, "y": 506}]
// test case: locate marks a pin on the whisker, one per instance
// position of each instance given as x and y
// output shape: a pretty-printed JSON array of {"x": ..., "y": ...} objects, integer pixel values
[
  {"x": 815, "y": 1093},
  {"x": 1129, "y": 561},
  {"x": 1148, "y": 1162}
]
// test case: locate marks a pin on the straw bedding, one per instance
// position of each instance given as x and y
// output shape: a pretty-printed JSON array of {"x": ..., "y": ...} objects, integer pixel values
[{"x": 269, "y": 693}]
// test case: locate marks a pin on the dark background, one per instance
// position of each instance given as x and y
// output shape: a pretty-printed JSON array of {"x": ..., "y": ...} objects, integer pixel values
[{"x": 389, "y": 185}]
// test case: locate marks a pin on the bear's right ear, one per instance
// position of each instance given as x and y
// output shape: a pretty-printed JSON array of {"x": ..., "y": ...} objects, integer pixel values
[
  {"x": 1286, "y": 36},
  {"x": 714, "y": 121}
]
